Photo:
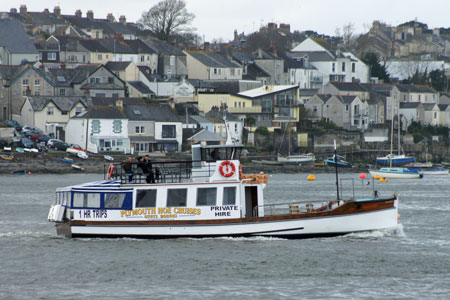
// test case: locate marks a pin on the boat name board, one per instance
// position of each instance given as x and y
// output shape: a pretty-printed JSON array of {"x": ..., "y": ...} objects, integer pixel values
[{"x": 160, "y": 212}]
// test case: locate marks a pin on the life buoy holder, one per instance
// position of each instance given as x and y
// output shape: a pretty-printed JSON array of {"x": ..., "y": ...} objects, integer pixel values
[
  {"x": 110, "y": 171},
  {"x": 227, "y": 168}
]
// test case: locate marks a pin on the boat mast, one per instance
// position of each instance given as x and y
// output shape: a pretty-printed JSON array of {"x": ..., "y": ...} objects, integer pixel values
[
  {"x": 336, "y": 166},
  {"x": 392, "y": 134}
]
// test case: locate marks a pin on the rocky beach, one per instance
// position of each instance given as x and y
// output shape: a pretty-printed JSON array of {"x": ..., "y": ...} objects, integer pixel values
[{"x": 50, "y": 163}]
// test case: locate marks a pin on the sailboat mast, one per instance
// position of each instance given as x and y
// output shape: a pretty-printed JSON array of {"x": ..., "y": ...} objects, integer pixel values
[{"x": 392, "y": 134}]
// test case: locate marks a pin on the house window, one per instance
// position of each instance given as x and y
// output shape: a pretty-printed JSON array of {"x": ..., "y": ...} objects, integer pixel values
[
  {"x": 346, "y": 107},
  {"x": 172, "y": 60},
  {"x": 232, "y": 71},
  {"x": 142, "y": 58},
  {"x": 37, "y": 93},
  {"x": 50, "y": 110},
  {"x": 353, "y": 67},
  {"x": 333, "y": 67},
  {"x": 419, "y": 98},
  {"x": 78, "y": 110},
  {"x": 243, "y": 104},
  {"x": 111, "y": 79},
  {"x": 314, "y": 108},
  {"x": 95, "y": 126},
  {"x": 25, "y": 82},
  {"x": 37, "y": 82},
  {"x": 168, "y": 131},
  {"x": 239, "y": 72},
  {"x": 51, "y": 56},
  {"x": 62, "y": 92},
  {"x": 99, "y": 56},
  {"x": 139, "y": 129},
  {"x": 343, "y": 67},
  {"x": 117, "y": 126},
  {"x": 115, "y": 95},
  {"x": 176, "y": 197},
  {"x": 215, "y": 71}
]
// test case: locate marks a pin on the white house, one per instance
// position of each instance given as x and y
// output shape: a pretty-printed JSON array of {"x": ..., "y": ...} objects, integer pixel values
[
  {"x": 100, "y": 129},
  {"x": 331, "y": 63}
]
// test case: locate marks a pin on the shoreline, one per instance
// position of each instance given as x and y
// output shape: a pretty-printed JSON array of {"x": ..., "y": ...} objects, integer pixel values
[{"x": 49, "y": 163}]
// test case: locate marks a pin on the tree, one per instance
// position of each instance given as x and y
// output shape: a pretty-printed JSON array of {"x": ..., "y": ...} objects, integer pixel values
[
  {"x": 167, "y": 18},
  {"x": 376, "y": 69},
  {"x": 438, "y": 80}
]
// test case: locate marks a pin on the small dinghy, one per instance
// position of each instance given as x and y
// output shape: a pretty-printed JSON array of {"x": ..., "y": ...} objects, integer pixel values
[{"x": 66, "y": 160}]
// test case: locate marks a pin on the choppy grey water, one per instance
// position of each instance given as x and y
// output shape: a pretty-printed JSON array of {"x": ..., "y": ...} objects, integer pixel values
[{"x": 411, "y": 262}]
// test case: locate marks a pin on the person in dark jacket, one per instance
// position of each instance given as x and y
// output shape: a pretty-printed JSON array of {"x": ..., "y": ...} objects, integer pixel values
[{"x": 127, "y": 166}]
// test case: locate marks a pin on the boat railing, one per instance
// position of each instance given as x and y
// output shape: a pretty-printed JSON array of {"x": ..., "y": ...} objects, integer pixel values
[
  {"x": 159, "y": 172},
  {"x": 295, "y": 207}
]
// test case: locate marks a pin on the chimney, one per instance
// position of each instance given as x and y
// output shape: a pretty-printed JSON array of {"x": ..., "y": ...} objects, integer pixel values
[
  {"x": 46, "y": 11},
  {"x": 286, "y": 28},
  {"x": 235, "y": 35},
  {"x": 23, "y": 9},
  {"x": 119, "y": 103},
  {"x": 110, "y": 17},
  {"x": 90, "y": 14},
  {"x": 13, "y": 10},
  {"x": 206, "y": 46},
  {"x": 123, "y": 20},
  {"x": 57, "y": 11},
  {"x": 78, "y": 13}
]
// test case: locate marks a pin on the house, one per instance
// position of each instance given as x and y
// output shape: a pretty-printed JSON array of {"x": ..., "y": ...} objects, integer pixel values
[
  {"x": 217, "y": 116},
  {"x": 203, "y": 122},
  {"x": 97, "y": 81},
  {"x": 250, "y": 70},
  {"x": 21, "y": 81},
  {"x": 36, "y": 22},
  {"x": 300, "y": 72},
  {"x": 346, "y": 88},
  {"x": 272, "y": 65},
  {"x": 412, "y": 112},
  {"x": 314, "y": 107},
  {"x": 349, "y": 112},
  {"x": 51, "y": 113},
  {"x": 278, "y": 105},
  {"x": 154, "y": 128},
  {"x": 72, "y": 52},
  {"x": 15, "y": 45},
  {"x": 49, "y": 50},
  {"x": 331, "y": 62},
  {"x": 100, "y": 129},
  {"x": 416, "y": 93},
  {"x": 125, "y": 70},
  {"x": 208, "y": 65},
  {"x": 431, "y": 114},
  {"x": 171, "y": 60},
  {"x": 307, "y": 94}
]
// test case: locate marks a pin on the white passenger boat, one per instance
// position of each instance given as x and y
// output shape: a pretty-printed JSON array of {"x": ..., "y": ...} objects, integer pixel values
[
  {"x": 205, "y": 198},
  {"x": 397, "y": 173}
]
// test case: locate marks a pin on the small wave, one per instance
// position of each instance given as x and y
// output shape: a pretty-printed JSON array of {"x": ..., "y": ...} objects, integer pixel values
[
  {"x": 380, "y": 233},
  {"x": 238, "y": 239},
  {"x": 28, "y": 234}
]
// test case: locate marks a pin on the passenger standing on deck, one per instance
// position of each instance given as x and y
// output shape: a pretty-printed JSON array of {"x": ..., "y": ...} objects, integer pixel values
[
  {"x": 128, "y": 168},
  {"x": 148, "y": 165}
]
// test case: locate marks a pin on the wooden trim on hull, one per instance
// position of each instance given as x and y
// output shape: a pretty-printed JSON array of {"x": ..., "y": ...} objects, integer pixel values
[{"x": 351, "y": 207}]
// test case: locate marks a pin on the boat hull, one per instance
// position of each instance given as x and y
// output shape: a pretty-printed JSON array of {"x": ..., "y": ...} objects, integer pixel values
[
  {"x": 395, "y": 161},
  {"x": 394, "y": 175},
  {"x": 353, "y": 216}
]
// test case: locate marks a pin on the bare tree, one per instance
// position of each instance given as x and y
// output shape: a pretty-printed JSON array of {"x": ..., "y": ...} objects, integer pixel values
[
  {"x": 348, "y": 36},
  {"x": 167, "y": 18}
]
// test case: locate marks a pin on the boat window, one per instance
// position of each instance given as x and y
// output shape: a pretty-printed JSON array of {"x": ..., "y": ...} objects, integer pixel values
[
  {"x": 146, "y": 198},
  {"x": 114, "y": 200},
  {"x": 86, "y": 200},
  {"x": 176, "y": 197},
  {"x": 206, "y": 196},
  {"x": 229, "y": 195}
]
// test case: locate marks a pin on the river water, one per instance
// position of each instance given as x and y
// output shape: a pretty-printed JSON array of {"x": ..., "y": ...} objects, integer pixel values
[{"x": 410, "y": 262}]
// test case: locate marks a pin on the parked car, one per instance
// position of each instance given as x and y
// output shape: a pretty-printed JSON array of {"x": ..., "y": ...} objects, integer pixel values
[
  {"x": 51, "y": 141},
  {"x": 60, "y": 146},
  {"x": 75, "y": 149},
  {"x": 26, "y": 142},
  {"x": 33, "y": 129},
  {"x": 14, "y": 123}
]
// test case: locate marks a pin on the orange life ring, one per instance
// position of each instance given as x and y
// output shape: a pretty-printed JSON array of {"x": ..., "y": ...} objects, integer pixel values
[
  {"x": 240, "y": 172},
  {"x": 110, "y": 171},
  {"x": 227, "y": 168}
]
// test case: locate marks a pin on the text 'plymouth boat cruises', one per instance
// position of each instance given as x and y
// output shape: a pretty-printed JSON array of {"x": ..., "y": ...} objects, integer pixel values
[{"x": 206, "y": 197}]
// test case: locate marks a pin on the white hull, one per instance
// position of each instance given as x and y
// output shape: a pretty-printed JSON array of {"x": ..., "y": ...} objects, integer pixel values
[
  {"x": 395, "y": 175},
  {"x": 296, "y": 159},
  {"x": 288, "y": 228},
  {"x": 445, "y": 172}
]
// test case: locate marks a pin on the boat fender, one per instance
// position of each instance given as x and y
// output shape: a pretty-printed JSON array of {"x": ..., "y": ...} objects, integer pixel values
[
  {"x": 110, "y": 170},
  {"x": 227, "y": 168}
]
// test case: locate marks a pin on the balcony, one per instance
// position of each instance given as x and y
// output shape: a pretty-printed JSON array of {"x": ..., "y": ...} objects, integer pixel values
[{"x": 244, "y": 110}]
